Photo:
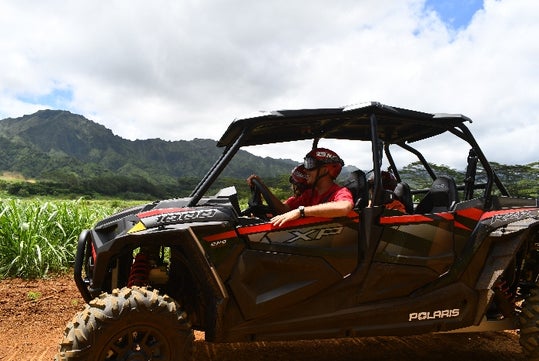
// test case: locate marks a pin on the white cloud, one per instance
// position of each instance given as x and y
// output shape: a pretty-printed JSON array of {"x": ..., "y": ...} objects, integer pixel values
[{"x": 185, "y": 69}]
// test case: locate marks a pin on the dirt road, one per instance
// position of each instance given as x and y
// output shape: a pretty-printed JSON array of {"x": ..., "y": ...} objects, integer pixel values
[{"x": 33, "y": 315}]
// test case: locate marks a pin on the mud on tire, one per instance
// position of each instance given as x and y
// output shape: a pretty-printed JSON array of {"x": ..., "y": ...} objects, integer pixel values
[{"x": 128, "y": 324}]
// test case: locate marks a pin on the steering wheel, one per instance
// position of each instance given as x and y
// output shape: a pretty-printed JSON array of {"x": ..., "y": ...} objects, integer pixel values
[{"x": 256, "y": 204}]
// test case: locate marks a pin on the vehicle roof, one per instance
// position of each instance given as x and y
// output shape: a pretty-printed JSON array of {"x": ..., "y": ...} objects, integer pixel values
[{"x": 395, "y": 125}]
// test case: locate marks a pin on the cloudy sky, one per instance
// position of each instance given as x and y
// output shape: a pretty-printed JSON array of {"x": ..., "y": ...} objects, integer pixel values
[{"x": 180, "y": 69}]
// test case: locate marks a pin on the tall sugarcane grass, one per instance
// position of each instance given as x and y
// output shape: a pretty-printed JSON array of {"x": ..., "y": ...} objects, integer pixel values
[{"x": 39, "y": 237}]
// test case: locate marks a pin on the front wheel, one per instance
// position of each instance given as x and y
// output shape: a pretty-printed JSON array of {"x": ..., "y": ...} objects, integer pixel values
[
  {"x": 529, "y": 325},
  {"x": 129, "y": 324}
]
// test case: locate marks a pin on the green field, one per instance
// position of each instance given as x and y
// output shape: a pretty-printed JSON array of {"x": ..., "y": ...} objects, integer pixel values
[{"x": 39, "y": 236}]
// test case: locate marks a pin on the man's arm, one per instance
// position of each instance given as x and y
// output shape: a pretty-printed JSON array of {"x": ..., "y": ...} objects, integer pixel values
[
  {"x": 280, "y": 206},
  {"x": 329, "y": 210}
]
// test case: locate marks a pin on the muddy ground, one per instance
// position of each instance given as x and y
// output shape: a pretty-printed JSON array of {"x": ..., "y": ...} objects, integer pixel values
[{"x": 33, "y": 315}]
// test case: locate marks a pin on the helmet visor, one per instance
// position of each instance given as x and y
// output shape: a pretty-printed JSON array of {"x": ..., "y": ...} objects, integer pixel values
[{"x": 310, "y": 163}]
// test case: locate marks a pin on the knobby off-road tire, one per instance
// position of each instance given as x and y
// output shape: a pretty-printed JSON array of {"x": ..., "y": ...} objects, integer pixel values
[
  {"x": 129, "y": 324},
  {"x": 529, "y": 326}
]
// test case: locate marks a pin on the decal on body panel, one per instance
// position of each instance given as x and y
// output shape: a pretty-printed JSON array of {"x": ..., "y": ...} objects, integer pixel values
[{"x": 433, "y": 315}]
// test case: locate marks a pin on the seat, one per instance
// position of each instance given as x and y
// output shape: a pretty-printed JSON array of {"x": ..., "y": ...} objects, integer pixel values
[
  {"x": 357, "y": 184},
  {"x": 403, "y": 194},
  {"x": 441, "y": 197}
]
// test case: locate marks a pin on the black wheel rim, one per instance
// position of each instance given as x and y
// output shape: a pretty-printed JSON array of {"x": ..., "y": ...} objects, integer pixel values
[{"x": 137, "y": 343}]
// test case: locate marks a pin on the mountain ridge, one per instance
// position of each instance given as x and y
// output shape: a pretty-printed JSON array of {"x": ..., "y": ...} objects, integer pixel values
[{"x": 57, "y": 145}]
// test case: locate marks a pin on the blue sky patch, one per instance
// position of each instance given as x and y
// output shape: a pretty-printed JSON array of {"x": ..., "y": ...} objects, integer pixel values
[
  {"x": 58, "y": 98},
  {"x": 456, "y": 14}
]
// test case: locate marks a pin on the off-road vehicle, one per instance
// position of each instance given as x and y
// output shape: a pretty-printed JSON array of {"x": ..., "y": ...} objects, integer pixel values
[{"x": 464, "y": 257}]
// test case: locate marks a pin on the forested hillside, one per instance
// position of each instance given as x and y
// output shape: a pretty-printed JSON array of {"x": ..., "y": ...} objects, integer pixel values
[{"x": 66, "y": 154}]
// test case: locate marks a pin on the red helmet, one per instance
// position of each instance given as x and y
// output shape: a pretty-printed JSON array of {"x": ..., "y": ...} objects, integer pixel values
[
  {"x": 322, "y": 156},
  {"x": 298, "y": 179},
  {"x": 298, "y": 176}
]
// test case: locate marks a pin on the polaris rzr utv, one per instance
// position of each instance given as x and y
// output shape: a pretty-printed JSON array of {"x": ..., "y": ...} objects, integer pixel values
[{"x": 463, "y": 257}]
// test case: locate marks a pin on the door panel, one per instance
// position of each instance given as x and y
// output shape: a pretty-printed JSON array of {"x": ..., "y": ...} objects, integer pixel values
[
  {"x": 413, "y": 251},
  {"x": 285, "y": 265},
  {"x": 267, "y": 282},
  {"x": 335, "y": 242}
]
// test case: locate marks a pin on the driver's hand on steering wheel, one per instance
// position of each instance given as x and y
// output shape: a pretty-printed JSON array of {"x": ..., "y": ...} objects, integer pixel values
[{"x": 251, "y": 177}]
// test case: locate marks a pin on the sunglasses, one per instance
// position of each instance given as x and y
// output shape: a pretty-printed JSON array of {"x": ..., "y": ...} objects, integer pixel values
[{"x": 311, "y": 163}]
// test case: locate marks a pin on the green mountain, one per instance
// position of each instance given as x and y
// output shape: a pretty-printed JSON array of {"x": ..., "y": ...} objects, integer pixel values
[
  {"x": 70, "y": 155},
  {"x": 58, "y": 146}
]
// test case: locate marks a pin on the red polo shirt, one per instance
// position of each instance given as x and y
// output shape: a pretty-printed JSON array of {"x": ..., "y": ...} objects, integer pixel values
[{"x": 311, "y": 197}]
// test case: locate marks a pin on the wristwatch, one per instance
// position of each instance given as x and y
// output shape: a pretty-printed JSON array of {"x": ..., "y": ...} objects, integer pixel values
[{"x": 301, "y": 211}]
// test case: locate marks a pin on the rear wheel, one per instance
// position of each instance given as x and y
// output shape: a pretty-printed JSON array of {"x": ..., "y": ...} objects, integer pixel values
[
  {"x": 129, "y": 324},
  {"x": 529, "y": 325}
]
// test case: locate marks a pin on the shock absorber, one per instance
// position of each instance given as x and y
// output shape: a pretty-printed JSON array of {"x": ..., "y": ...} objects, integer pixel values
[{"x": 140, "y": 269}]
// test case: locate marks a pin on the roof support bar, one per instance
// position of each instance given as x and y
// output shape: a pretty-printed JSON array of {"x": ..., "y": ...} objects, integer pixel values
[
  {"x": 376, "y": 160},
  {"x": 215, "y": 170}
]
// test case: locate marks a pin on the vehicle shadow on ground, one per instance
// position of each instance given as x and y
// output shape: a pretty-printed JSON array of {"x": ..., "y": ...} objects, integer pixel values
[{"x": 495, "y": 346}]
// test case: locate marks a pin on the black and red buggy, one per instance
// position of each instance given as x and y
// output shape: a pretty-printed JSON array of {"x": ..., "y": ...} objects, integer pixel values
[{"x": 464, "y": 257}]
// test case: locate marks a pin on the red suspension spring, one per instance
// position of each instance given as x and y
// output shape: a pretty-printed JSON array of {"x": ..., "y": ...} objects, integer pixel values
[{"x": 138, "y": 276}]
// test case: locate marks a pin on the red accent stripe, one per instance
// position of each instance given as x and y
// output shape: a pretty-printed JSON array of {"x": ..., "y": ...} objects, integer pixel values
[
  {"x": 218, "y": 236},
  {"x": 161, "y": 211},
  {"x": 406, "y": 218},
  {"x": 94, "y": 253},
  {"x": 446, "y": 215},
  {"x": 472, "y": 213},
  {"x": 462, "y": 226},
  {"x": 268, "y": 227},
  {"x": 264, "y": 227}
]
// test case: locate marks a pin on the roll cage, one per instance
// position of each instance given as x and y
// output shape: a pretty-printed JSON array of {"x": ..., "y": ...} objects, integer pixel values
[{"x": 384, "y": 126}]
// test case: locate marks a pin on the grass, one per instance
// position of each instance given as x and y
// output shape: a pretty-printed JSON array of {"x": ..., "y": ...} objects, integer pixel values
[
  {"x": 40, "y": 236},
  {"x": 33, "y": 296}
]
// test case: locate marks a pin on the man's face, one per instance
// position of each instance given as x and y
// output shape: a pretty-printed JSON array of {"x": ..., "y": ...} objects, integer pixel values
[{"x": 312, "y": 174}]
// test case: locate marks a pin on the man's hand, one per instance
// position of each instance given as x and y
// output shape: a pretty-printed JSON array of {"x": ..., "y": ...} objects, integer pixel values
[
  {"x": 251, "y": 177},
  {"x": 285, "y": 217}
]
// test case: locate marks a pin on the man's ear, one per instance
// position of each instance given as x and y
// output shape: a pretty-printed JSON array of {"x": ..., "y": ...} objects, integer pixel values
[{"x": 326, "y": 171}]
